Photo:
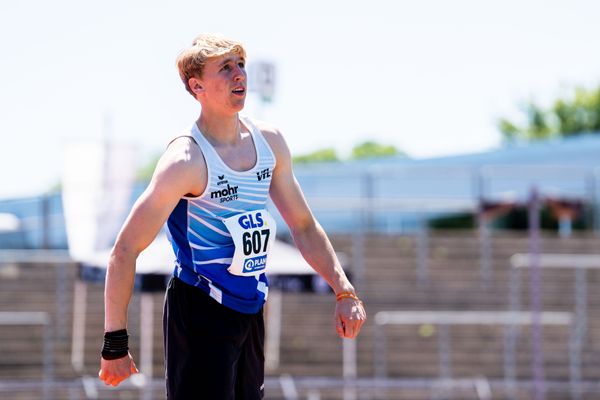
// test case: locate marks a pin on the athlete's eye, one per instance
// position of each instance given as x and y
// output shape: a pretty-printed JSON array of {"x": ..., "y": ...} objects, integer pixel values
[
  {"x": 241, "y": 64},
  {"x": 226, "y": 67}
]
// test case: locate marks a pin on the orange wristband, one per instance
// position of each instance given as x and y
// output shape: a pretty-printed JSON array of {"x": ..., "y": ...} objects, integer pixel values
[{"x": 346, "y": 295}]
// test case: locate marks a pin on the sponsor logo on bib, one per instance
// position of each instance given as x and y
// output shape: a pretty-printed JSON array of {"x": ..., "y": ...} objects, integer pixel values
[
  {"x": 255, "y": 263},
  {"x": 250, "y": 222}
]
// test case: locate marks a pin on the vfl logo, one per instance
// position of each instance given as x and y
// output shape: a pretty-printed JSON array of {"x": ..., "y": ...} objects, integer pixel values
[
  {"x": 222, "y": 180},
  {"x": 255, "y": 264},
  {"x": 264, "y": 174},
  {"x": 227, "y": 194}
]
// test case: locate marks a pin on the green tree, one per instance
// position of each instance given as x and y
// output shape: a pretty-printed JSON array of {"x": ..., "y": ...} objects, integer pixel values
[
  {"x": 371, "y": 149},
  {"x": 322, "y": 155},
  {"x": 574, "y": 114}
]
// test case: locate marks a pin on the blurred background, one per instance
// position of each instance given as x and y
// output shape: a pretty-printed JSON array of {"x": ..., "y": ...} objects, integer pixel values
[{"x": 450, "y": 150}]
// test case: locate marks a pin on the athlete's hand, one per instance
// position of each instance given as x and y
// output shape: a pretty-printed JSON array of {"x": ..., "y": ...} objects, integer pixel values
[
  {"x": 113, "y": 372},
  {"x": 350, "y": 314}
]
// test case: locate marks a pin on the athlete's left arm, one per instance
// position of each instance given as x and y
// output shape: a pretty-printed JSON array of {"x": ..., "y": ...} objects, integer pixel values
[{"x": 310, "y": 238}]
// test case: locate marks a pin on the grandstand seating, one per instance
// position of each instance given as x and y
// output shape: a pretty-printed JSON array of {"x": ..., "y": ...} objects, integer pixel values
[{"x": 309, "y": 345}]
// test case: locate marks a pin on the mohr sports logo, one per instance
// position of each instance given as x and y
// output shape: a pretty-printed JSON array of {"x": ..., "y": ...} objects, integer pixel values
[
  {"x": 227, "y": 194},
  {"x": 264, "y": 174}
]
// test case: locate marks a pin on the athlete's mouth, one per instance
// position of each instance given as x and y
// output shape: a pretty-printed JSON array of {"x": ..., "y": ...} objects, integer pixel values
[{"x": 239, "y": 90}]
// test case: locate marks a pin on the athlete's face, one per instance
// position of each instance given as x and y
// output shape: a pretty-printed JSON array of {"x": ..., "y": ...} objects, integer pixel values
[{"x": 223, "y": 83}]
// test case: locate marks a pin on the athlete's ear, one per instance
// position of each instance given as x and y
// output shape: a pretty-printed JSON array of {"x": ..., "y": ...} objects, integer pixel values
[{"x": 195, "y": 85}]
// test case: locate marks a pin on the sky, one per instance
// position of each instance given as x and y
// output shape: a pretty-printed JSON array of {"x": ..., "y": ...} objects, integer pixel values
[{"x": 430, "y": 77}]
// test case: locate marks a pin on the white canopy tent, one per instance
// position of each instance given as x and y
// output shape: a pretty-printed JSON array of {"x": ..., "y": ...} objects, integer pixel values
[{"x": 284, "y": 259}]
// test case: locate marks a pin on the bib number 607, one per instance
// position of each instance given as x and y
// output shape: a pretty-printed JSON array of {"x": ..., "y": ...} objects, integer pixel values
[{"x": 253, "y": 242}]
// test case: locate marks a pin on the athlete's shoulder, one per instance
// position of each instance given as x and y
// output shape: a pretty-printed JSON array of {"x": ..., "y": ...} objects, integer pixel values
[
  {"x": 183, "y": 148},
  {"x": 182, "y": 166},
  {"x": 266, "y": 128},
  {"x": 272, "y": 135},
  {"x": 183, "y": 155},
  {"x": 182, "y": 138}
]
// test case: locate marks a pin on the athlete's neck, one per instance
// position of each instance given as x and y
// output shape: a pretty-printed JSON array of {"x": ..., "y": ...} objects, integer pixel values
[{"x": 220, "y": 130}]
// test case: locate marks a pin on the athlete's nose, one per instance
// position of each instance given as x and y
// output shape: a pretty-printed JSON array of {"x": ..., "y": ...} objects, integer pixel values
[{"x": 240, "y": 74}]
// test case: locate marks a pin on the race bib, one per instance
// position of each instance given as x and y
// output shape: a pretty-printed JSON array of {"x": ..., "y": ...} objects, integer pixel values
[{"x": 252, "y": 233}]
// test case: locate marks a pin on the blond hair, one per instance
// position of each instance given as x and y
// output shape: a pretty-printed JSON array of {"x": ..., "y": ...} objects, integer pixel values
[{"x": 192, "y": 60}]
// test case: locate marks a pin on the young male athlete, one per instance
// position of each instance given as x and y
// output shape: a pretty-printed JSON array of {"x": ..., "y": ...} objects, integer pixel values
[{"x": 211, "y": 187}]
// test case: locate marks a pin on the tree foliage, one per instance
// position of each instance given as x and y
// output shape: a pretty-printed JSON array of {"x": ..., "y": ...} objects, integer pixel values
[
  {"x": 574, "y": 114},
  {"x": 371, "y": 149},
  {"x": 323, "y": 155},
  {"x": 367, "y": 149}
]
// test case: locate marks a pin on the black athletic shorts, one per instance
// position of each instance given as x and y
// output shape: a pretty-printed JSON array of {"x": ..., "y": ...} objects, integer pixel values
[{"x": 211, "y": 352}]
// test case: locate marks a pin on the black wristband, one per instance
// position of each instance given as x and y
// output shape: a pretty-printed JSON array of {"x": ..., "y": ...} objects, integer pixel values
[{"x": 116, "y": 345}]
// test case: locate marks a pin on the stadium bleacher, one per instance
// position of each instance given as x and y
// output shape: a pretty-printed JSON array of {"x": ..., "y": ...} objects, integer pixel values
[{"x": 309, "y": 346}]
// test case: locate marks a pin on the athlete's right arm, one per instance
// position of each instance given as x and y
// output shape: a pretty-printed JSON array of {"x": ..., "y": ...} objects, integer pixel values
[{"x": 180, "y": 171}]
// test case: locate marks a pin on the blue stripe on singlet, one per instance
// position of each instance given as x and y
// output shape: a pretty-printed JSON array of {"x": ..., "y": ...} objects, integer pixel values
[{"x": 201, "y": 241}]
